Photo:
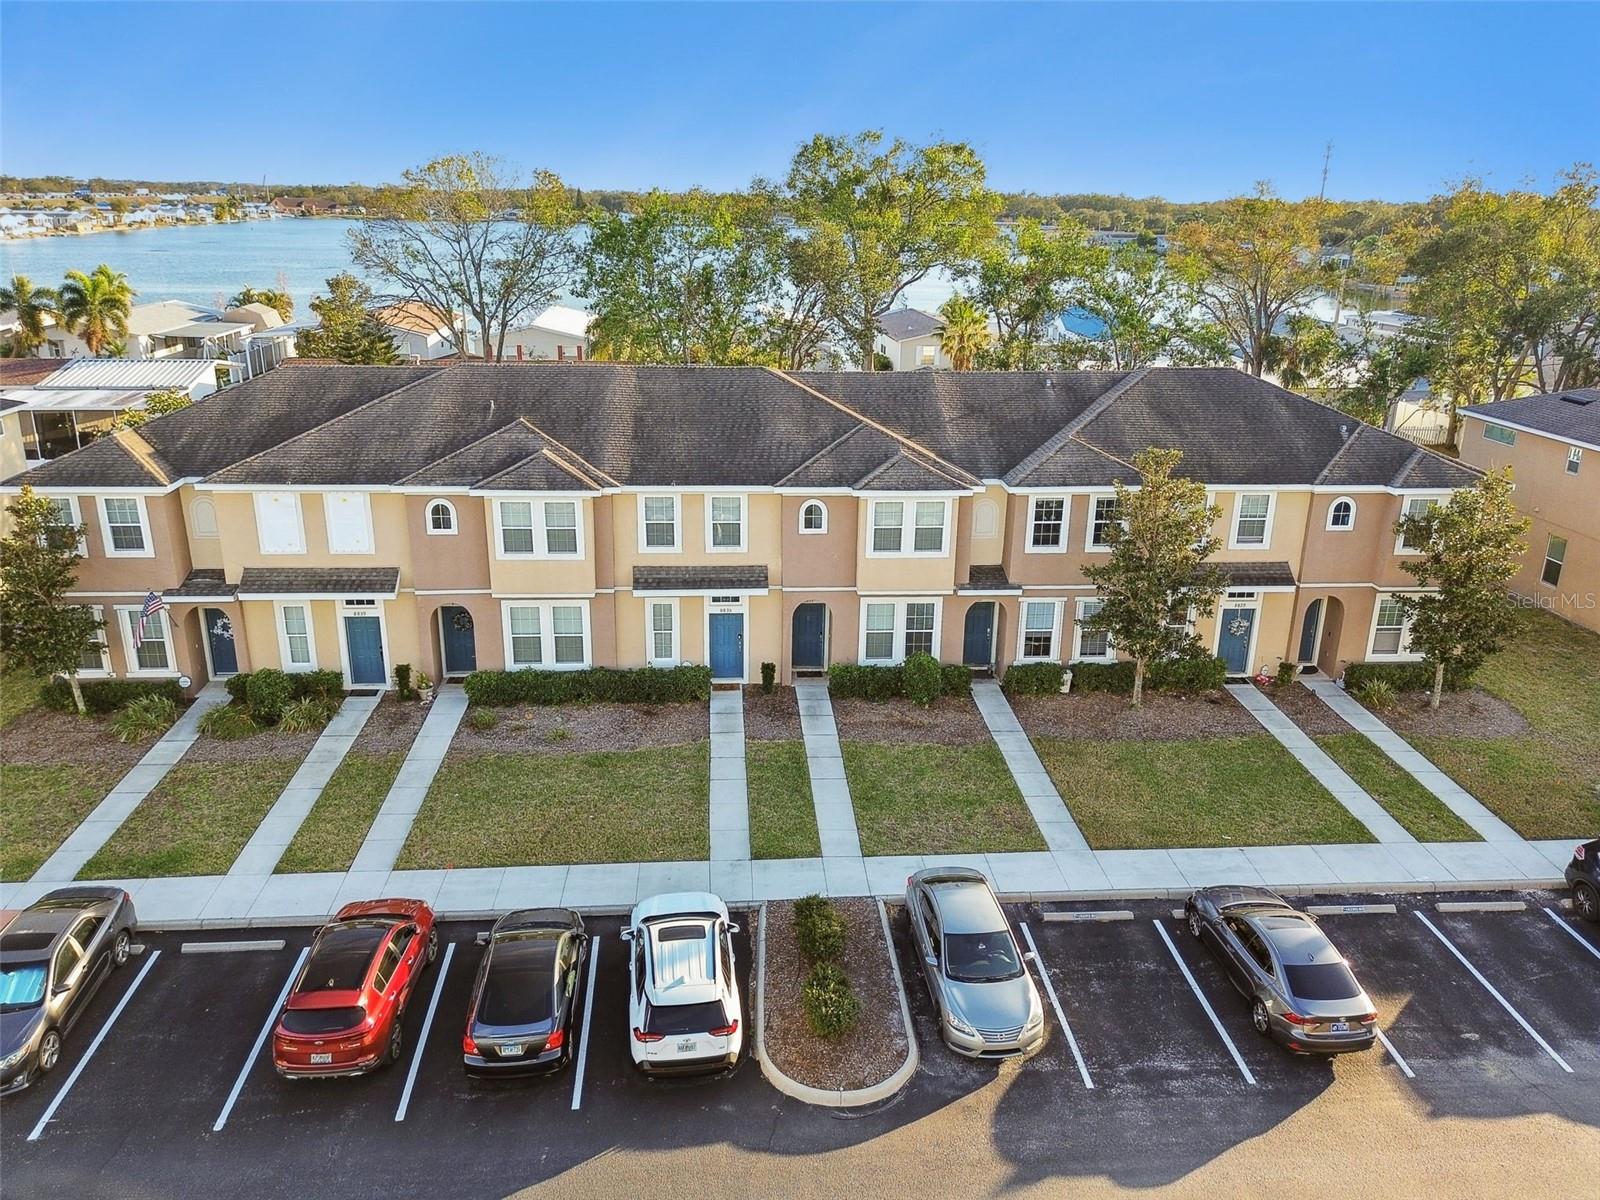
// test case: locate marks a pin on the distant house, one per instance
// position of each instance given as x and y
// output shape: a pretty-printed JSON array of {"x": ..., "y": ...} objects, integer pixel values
[
  {"x": 421, "y": 332},
  {"x": 909, "y": 338},
  {"x": 302, "y": 206},
  {"x": 558, "y": 332}
]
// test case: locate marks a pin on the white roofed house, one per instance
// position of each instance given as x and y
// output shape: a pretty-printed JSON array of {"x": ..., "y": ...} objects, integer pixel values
[
  {"x": 559, "y": 332},
  {"x": 910, "y": 339}
]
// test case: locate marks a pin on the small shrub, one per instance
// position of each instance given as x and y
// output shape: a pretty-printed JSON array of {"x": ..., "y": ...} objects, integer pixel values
[
  {"x": 144, "y": 717},
  {"x": 1288, "y": 672},
  {"x": 322, "y": 685},
  {"x": 643, "y": 685},
  {"x": 238, "y": 687},
  {"x": 956, "y": 680},
  {"x": 852, "y": 681},
  {"x": 1203, "y": 673},
  {"x": 818, "y": 928},
  {"x": 267, "y": 692},
  {"x": 1035, "y": 679},
  {"x": 1103, "y": 677},
  {"x": 402, "y": 681},
  {"x": 229, "y": 723},
  {"x": 559, "y": 734},
  {"x": 1376, "y": 694},
  {"x": 769, "y": 677},
  {"x": 107, "y": 695},
  {"x": 923, "y": 679},
  {"x": 482, "y": 719},
  {"x": 832, "y": 1007},
  {"x": 306, "y": 714},
  {"x": 1404, "y": 677}
]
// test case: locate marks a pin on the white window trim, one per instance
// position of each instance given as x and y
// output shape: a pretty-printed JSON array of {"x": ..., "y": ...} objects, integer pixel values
[
  {"x": 300, "y": 521},
  {"x": 908, "y": 526},
  {"x": 75, "y": 517},
  {"x": 1400, "y": 547},
  {"x": 104, "y": 670},
  {"x": 547, "y": 635},
  {"x": 285, "y": 665},
  {"x": 650, "y": 635},
  {"x": 1110, "y": 656},
  {"x": 1548, "y": 558},
  {"x": 328, "y": 508},
  {"x": 1574, "y": 459},
  {"x": 1066, "y": 525},
  {"x": 1266, "y": 534},
  {"x": 130, "y": 656},
  {"x": 677, "y": 523},
  {"x": 744, "y": 523},
  {"x": 898, "y": 652},
  {"x": 1055, "y": 631},
  {"x": 1089, "y": 546},
  {"x": 1338, "y": 500},
  {"x": 541, "y": 532},
  {"x": 111, "y": 551},
  {"x": 1405, "y": 653},
  {"x": 804, "y": 532},
  {"x": 1510, "y": 438},
  {"x": 427, "y": 518}
]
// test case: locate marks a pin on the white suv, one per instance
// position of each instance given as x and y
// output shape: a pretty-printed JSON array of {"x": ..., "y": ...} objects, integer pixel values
[{"x": 683, "y": 994}]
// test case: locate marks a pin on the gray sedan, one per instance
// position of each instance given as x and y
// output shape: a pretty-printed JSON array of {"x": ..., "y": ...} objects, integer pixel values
[
  {"x": 987, "y": 1004},
  {"x": 53, "y": 957},
  {"x": 1301, "y": 991}
]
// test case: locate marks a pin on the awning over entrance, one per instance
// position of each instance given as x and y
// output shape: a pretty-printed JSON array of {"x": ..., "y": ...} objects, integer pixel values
[
  {"x": 202, "y": 587},
  {"x": 700, "y": 581},
  {"x": 989, "y": 580},
  {"x": 1260, "y": 576},
  {"x": 318, "y": 583}
]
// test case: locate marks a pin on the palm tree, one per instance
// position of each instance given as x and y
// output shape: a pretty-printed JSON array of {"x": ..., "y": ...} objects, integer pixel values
[
  {"x": 33, "y": 307},
  {"x": 966, "y": 332},
  {"x": 96, "y": 306},
  {"x": 280, "y": 301}
]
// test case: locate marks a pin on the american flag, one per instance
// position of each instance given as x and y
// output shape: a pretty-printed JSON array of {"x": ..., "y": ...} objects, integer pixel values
[{"x": 152, "y": 605}]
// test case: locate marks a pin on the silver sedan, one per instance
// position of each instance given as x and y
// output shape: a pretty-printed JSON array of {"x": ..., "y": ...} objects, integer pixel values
[{"x": 1301, "y": 990}]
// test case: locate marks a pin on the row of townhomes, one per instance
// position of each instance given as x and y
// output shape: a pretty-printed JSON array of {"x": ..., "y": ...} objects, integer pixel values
[{"x": 477, "y": 516}]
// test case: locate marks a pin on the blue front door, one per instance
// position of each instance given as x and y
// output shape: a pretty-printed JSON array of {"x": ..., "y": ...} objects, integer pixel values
[
  {"x": 727, "y": 645},
  {"x": 364, "y": 638},
  {"x": 979, "y": 643},
  {"x": 219, "y": 637},
  {"x": 460, "y": 650},
  {"x": 1234, "y": 645},
  {"x": 810, "y": 637}
]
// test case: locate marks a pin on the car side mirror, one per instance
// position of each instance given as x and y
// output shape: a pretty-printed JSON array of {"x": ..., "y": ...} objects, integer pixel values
[
  {"x": 732, "y": 928},
  {"x": 1030, "y": 956},
  {"x": 60, "y": 988},
  {"x": 627, "y": 934},
  {"x": 932, "y": 960}
]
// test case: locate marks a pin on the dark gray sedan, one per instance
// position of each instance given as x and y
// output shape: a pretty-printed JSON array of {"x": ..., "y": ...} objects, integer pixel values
[
  {"x": 1301, "y": 991},
  {"x": 53, "y": 957},
  {"x": 525, "y": 999}
]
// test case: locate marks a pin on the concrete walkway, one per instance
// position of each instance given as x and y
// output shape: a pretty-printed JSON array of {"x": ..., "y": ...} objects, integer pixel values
[
  {"x": 277, "y": 829},
  {"x": 410, "y": 788},
  {"x": 830, "y": 792},
  {"x": 730, "y": 801},
  {"x": 85, "y": 841},
  {"x": 1326, "y": 772},
  {"x": 1061, "y": 832}
]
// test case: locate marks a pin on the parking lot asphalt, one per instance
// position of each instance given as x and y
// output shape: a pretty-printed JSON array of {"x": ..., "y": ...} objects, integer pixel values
[{"x": 1499, "y": 1091}]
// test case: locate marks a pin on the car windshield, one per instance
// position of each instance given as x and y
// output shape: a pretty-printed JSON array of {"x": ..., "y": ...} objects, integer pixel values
[
  {"x": 1322, "y": 981},
  {"x": 519, "y": 988},
  {"x": 311, "y": 1021},
  {"x": 21, "y": 986},
  {"x": 670, "y": 1019},
  {"x": 981, "y": 957}
]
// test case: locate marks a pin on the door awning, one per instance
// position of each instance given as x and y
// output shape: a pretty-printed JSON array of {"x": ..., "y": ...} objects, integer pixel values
[
  {"x": 319, "y": 583},
  {"x": 700, "y": 581}
]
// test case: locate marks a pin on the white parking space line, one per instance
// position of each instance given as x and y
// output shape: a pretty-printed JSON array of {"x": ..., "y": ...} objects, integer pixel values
[
  {"x": 1399, "y": 1061},
  {"x": 1576, "y": 936},
  {"x": 93, "y": 1046},
  {"x": 422, "y": 1038},
  {"x": 588, "y": 1008},
  {"x": 1050, "y": 990},
  {"x": 261, "y": 1039},
  {"x": 1206, "y": 1004},
  {"x": 1490, "y": 988}
]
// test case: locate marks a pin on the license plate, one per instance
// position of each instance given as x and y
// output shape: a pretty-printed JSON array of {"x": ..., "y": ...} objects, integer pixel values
[
  {"x": 1339, "y": 1027},
  {"x": 512, "y": 1049},
  {"x": 318, "y": 1060},
  {"x": 688, "y": 1046}
]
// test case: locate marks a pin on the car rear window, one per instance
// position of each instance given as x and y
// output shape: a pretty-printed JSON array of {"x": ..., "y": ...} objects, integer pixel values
[
  {"x": 342, "y": 956},
  {"x": 322, "y": 1020},
  {"x": 520, "y": 986},
  {"x": 1322, "y": 981},
  {"x": 669, "y": 1019}
]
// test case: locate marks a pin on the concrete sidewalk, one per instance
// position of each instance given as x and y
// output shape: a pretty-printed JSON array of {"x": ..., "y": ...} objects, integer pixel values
[
  {"x": 840, "y": 865},
  {"x": 400, "y": 807},
  {"x": 730, "y": 800},
  {"x": 1050, "y": 814}
]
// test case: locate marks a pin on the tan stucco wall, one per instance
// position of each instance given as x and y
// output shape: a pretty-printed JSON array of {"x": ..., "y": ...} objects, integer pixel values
[
  {"x": 168, "y": 566},
  {"x": 819, "y": 559},
  {"x": 458, "y": 561},
  {"x": 12, "y": 459},
  {"x": 241, "y": 544},
  {"x": 540, "y": 576}
]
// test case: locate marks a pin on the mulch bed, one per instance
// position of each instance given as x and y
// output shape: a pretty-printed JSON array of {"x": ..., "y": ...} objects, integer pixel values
[
  {"x": 1103, "y": 716},
  {"x": 1473, "y": 713},
  {"x": 948, "y": 721},
  {"x": 1302, "y": 707},
  {"x": 867, "y": 1054},
  {"x": 44, "y": 737},
  {"x": 269, "y": 743},
  {"x": 585, "y": 728},
  {"x": 391, "y": 728},
  {"x": 774, "y": 718}
]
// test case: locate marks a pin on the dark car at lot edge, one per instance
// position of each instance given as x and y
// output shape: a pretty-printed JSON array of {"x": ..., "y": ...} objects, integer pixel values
[
  {"x": 54, "y": 955},
  {"x": 1301, "y": 990},
  {"x": 1583, "y": 876},
  {"x": 520, "y": 1017},
  {"x": 344, "y": 1011}
]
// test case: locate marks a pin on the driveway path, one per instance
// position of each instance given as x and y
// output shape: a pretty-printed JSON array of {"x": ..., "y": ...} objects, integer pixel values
[{"x": 1061, "y": 832}]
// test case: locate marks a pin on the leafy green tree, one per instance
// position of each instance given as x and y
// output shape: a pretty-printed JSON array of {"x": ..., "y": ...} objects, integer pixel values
[
  {"x": 96, "y": 306},
  {"x": 279, "y": 301},
  {"x": 1144, "y": 310},
  {"x": 891, "y": 213},
  {"x": 348, "y": 332},
  {"x": 156, "y": 404},
  {"x": 1157, "y": 573},
  {"x": 1472, "y": 546},
  {"x": 966, "y": 332},
  {"x": 1024, "y": 280},
  {"x": 39, "y": 626},
  {"x": 34, "y": 306},
  {"x": 1308, "y": 354},
  {"x": 1390, "y": 368}
]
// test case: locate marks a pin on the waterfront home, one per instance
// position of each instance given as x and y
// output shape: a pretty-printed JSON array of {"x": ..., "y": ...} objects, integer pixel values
[
  {"x": 421, "y": 332},
  {"x": 911, "y": 340},
  {"x": 559, "y": 332}
]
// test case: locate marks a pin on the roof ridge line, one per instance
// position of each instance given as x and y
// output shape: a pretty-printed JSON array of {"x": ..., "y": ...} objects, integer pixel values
[
  {"x": 493, "y": 433},
  {"x": 1069, "y": 431},
  {"x": 146, "y": 455},
  {"x": 1339, "y": 453},
  {"x": 596, "y": 473},
  {"x": 1405, "y": 467},
  {"x": 542, "y": 452},
  {"x": 833, "y": 445},
  {"x": 1079, "y": 440},
  {"x": 896, "y": 457}
]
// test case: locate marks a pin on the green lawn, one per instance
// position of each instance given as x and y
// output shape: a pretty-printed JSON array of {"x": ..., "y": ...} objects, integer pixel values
[
  {"x": 928, "y": 799},
  {"x": 337, "y": 824},
  {"x": 1233, "y": 791},
  {"x": 19, "y": 691},
  {"x": 40, "y": 806},
  {"x": 783, "y": 822},
  {"x": 1543, "y": 783},
  {"x": 1421, "y": 812},
  {"x": 498, "y": 810},
  {"x": 195, "y": 822}
]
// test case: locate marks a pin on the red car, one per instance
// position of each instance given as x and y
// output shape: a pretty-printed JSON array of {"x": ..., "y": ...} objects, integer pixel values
[{"x": 345, "y": 1010}]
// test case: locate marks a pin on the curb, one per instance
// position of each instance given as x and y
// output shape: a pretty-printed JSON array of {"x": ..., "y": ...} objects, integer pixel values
[{"x": 832, "y": 1097}]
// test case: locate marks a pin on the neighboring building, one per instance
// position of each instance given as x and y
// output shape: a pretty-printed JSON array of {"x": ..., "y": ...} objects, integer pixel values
[
  {"x": 421, "y": 332},
  {"x": 77, "y": 403},
  {"x": 302, "y": 206},
  {"x": 910, "y": 339},
  {"x": 1552, "y": 445},
  {"x": 558, "y": 332},
  {"x": 487, "y": 516}
]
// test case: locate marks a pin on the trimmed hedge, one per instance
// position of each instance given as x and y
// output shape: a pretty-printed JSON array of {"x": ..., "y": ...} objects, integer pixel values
[
  {"x": 107, "y": 695},
  {"x": 1405, "y": 677},
  {"x": 1203, "y": 674},
  {"x": 957, "y": 679},
  {"x": 318, "y": 685},
  {"x": 854, "y": 682},
  {"x": 641, "y": 685},
  {"x": 1034, "y": 679},
  {"x": 819, "y": 928},
  {"x": 831, "y": 1005}
]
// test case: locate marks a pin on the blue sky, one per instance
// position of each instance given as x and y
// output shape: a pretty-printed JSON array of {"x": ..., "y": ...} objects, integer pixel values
[{"x": 1190, "y": 101}]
